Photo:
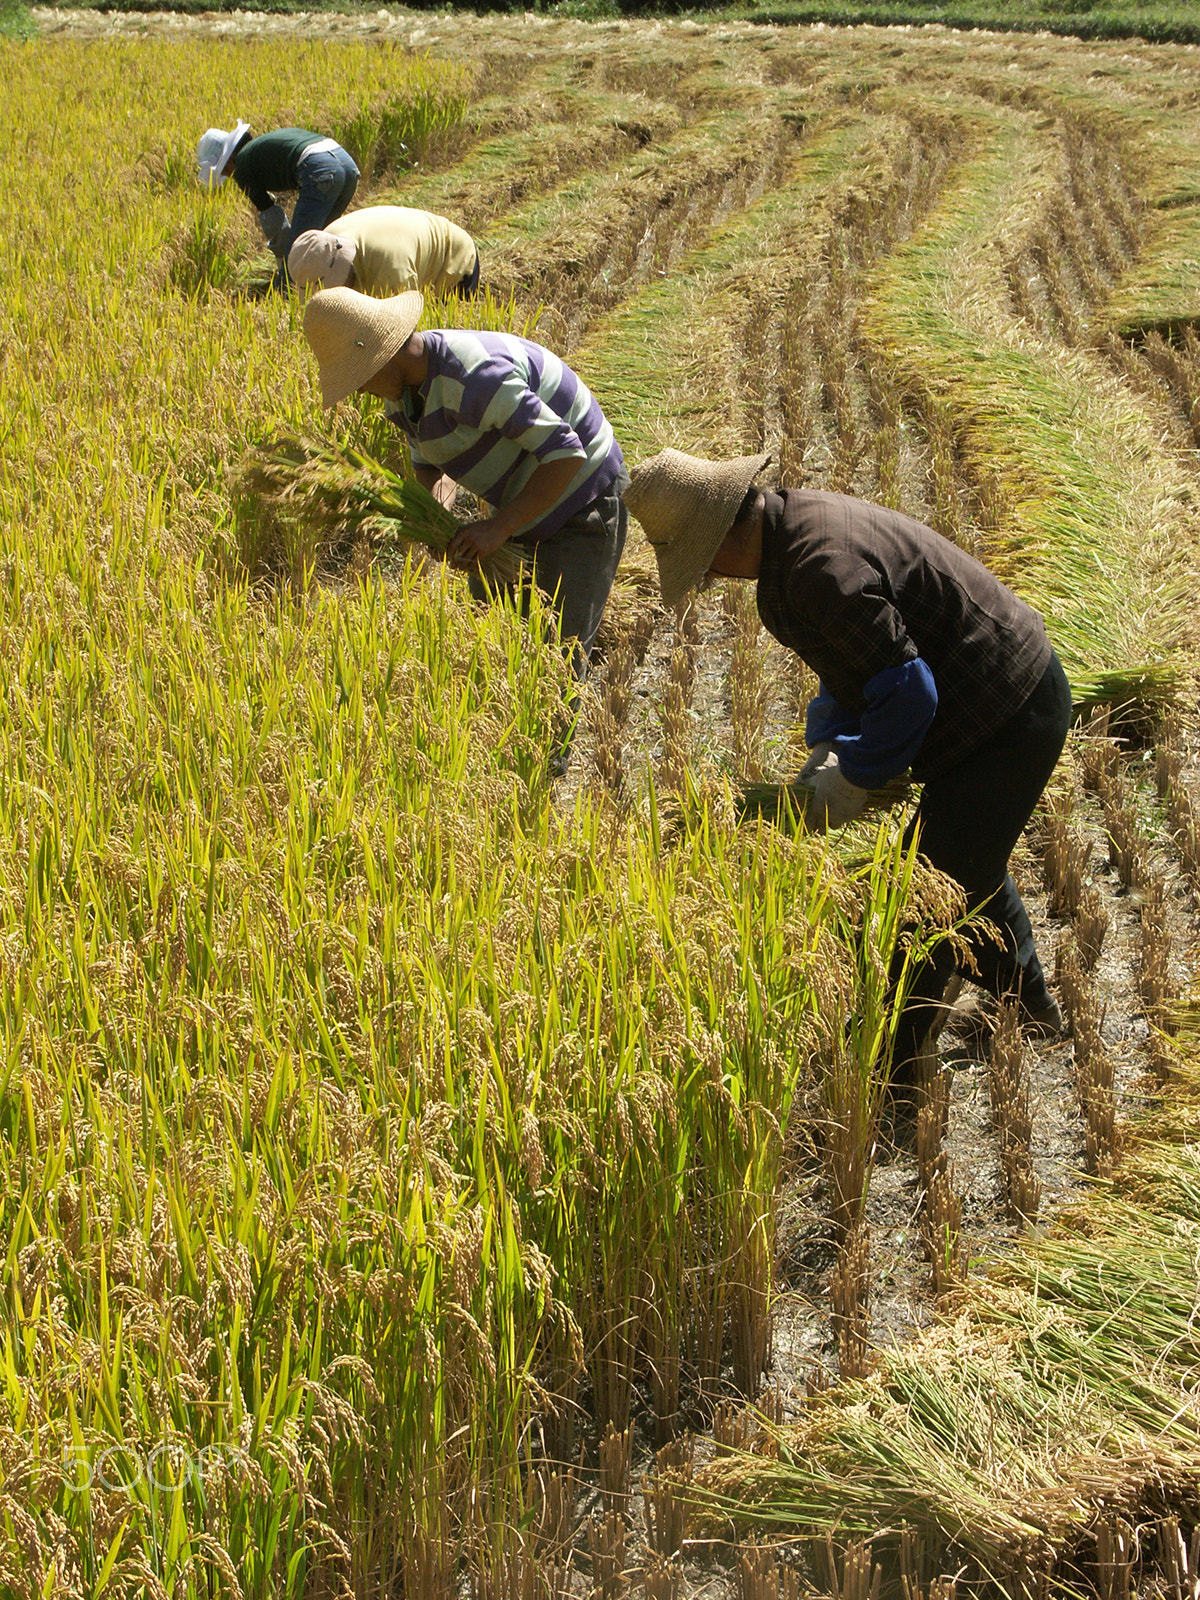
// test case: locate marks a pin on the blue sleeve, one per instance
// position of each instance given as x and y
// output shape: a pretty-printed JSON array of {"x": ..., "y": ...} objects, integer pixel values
[
  {"x": 901, "y": 702},
  {"x": 826, "y": 719}
]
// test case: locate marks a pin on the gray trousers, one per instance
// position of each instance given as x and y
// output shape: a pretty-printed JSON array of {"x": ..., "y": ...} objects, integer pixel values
[{"x": 574, "y": 567}]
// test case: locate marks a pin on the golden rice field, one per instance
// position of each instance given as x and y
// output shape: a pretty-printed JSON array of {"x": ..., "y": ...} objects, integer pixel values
[{"x": 421, "y": 1177}]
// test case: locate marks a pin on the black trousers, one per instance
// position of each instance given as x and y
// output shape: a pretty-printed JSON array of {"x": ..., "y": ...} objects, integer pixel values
[
  {"x": 468, "y": 284},
  {"x": 970, "y": 818}
]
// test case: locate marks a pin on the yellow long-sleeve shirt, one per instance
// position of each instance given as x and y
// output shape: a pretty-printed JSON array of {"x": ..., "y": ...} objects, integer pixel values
[{"x": 397, "y": 248}]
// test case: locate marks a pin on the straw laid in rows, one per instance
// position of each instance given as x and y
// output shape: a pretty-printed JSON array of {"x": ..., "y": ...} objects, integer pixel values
[{"x": 321, "y": 484}]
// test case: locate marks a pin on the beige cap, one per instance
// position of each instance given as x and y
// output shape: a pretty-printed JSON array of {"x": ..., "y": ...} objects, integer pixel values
[
  {"x": 352, "y": 336},
  {"x": 321, "y": 258},
  {"x": 686, "y": 506}
]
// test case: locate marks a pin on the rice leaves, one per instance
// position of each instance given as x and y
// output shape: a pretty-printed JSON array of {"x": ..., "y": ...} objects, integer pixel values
[{"x": 371, "y": 1124}]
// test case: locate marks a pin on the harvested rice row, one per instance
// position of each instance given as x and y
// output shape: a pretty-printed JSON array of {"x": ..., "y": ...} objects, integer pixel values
[
  {"x": 1087, "y": 231},
  {"x": 1056, "y": 1394},
  {"x": 1160, "y": 290},
  {"x": 535, "y": 150},
  {"x": 586, "y": 247},
  {"x": 1096, "y": 528},
  {"x": 665, "y": 361}
]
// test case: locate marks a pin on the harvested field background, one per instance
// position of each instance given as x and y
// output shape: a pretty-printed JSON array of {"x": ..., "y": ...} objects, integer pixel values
[{"x": 955, "y": 273}]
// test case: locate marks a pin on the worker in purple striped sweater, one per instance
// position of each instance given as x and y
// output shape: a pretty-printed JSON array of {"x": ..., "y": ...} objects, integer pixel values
[{"x": 503, "y": 417}]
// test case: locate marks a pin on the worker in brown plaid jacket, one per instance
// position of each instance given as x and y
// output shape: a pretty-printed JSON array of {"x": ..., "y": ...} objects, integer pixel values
[{"x": 927, "y": 663}]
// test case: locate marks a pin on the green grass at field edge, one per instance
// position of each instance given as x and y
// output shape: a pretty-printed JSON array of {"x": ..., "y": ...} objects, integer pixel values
[
  {"x": 1161, "y": 24},
  {"x": 15, "y": 22},
  {"x": 1165, "y": 23}
]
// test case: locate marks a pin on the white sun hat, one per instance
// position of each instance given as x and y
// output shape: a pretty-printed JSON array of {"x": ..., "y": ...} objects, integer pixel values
[{"x": 215, "y": 147}]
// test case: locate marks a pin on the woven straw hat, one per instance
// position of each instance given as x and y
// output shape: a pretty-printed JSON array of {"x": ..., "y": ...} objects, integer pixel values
[
  {"x": 353, "y": 336},
  {"x": 321, "y": 258},
  {"x": 686, "y": 506}
]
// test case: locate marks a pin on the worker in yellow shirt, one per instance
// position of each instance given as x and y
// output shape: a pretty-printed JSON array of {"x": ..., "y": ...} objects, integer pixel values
[{"x": 384, "y": 250}]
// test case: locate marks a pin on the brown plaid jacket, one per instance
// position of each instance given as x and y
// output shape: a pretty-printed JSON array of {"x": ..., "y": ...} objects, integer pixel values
[{"x": 854, "y": 588}]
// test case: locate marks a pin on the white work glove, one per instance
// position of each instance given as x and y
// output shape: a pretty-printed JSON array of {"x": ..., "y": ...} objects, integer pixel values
[
  {"x": 835, "y": 800},
  {"x": 273, "y": 222},
  {"x": 816, "y": 758}
]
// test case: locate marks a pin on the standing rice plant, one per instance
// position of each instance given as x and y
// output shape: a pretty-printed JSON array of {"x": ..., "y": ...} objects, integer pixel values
[
  {"x": 397, "y": 133},
  {"x": 748, "y": 685},
  {"x": 609, "y": 710},
  {"x": 320, "y": 1026},
  {"x": 206, "y": 254},
  {"x": 1008, "y": 1080},
  {"x": 941, "y": 1217},
  {"x": 676, "y": 703},
  {"x": 856, "y": 1069}
]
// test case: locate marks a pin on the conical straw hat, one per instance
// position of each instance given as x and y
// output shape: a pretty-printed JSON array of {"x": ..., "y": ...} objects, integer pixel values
[
  {"x": 353, "y": 335},
  {"x": 686, "y": 506}
]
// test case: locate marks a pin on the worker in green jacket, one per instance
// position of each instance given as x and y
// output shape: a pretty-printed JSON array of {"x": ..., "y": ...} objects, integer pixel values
[{"x": 322, "y": 175}]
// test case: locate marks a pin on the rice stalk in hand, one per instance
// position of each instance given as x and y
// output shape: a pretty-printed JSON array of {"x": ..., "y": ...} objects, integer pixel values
[
  {"x": 317, "y": 485},
  {"x": 786, "y": 803}
]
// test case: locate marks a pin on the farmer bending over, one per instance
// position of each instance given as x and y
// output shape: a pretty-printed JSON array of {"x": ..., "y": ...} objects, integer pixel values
[
  {"x": 318, "y": 169},
  {"x": 505, "y": 418},
  {"x": 383, "y": 250},
  {"x": 925, "y": 660}
]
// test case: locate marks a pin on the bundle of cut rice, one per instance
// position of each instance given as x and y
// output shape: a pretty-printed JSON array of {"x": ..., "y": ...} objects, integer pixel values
[
  {"x": 319, "y": 483},
  {"x": 786, "y": 803}
]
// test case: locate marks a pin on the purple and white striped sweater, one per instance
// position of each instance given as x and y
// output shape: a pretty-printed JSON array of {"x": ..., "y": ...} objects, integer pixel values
[{"x": 493, "y": 407}]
